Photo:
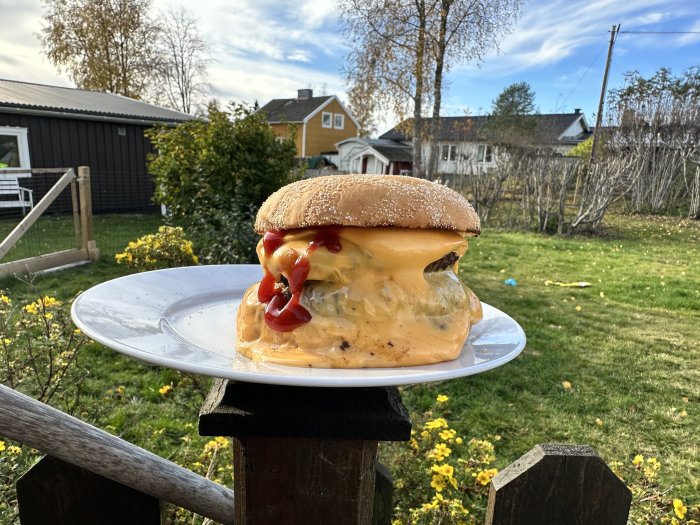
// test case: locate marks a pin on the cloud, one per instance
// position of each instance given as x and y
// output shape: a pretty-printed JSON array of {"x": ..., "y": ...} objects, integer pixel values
[
  {"x": 299, "y": 55},
  {"x": 552, "y": 31}
]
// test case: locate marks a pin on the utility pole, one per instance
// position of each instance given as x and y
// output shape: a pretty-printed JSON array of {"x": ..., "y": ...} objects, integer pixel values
[{"x": 599, "y": 117}]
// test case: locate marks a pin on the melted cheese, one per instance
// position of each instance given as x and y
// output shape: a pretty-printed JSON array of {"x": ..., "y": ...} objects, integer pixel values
[{"x": 371, "y": 303}]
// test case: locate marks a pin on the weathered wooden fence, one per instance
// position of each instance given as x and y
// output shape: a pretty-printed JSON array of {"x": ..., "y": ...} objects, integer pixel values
[
  {"x": 303, "y": 456},
  {"x": 106, "y": 456},
  {"x": 85, "y": 248}
]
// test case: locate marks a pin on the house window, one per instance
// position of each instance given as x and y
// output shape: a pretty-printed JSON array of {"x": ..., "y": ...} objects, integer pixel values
[
  {"x": 327, "y": 120},
  {"x": 448, "y": 152},
  {"x": 484, "y": 153},
  {"x": 14, "y": 149},
  {"x": 338, "y": 121}
]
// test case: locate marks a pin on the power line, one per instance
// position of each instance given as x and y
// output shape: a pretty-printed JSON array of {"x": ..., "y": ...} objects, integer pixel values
[
  {"x": 660, "y": 32},
  {"x": 587, "y": 70}
]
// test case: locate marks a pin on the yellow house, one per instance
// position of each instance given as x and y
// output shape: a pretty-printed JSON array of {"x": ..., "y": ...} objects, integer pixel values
[{"x": 320, "y": 122}]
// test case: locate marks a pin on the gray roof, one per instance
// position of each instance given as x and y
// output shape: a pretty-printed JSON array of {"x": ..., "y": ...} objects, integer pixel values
[
  {"x": 25, "y": 97},
  {"x": 547, "y": 128},
  {"x": 292, "y": 109}
]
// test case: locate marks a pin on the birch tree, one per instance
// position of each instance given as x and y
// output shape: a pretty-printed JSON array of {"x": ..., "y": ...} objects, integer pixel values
[
  {"x": 104, "y": 45},
  {"x": 405, "y": 48},
  {"x": 387, "y": 67},
  {"x": 183, "y": 63}
]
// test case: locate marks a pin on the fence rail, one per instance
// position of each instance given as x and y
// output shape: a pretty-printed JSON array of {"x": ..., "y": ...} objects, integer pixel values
[{"x": 71, "y": 440}]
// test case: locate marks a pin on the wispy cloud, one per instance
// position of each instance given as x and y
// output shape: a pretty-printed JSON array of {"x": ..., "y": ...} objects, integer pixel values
[
  {"x": 550, "y": 32},
  {"x": 299, "y": 55}
]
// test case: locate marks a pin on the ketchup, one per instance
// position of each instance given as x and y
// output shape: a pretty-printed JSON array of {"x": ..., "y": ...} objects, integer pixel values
[{"x": 283, "y": 314}]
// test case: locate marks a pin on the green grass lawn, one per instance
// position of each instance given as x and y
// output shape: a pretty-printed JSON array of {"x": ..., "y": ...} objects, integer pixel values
[
  {"x": 53, "y": 233},
  {"x": 628, "y": 345}
]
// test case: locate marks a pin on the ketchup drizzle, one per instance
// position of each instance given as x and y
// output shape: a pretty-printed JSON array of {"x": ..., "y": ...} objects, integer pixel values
[{"x": 284, "y": 314}]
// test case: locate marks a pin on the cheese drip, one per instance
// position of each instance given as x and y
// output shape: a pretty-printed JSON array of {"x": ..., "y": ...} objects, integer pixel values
[{"x": 371, "y": 303}]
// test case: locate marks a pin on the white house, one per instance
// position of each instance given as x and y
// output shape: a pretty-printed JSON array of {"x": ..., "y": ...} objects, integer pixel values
[
  {"x": 463, "y": 145},
  {"x": 374, "y": 156}
]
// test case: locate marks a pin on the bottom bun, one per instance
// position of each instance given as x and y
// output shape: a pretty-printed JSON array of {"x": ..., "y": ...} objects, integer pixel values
[{"x": 393, "y": 337}]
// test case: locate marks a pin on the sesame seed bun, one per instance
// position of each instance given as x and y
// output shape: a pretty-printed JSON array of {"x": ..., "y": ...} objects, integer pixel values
[{"x": 367, "y": 201}]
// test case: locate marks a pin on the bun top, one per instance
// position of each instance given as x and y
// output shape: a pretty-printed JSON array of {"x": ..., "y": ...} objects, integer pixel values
[{"x": 367, "y": 201}]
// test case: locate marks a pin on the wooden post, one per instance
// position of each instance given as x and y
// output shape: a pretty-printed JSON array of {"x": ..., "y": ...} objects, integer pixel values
[
  {"x": 86, "y": 213},
  {"x": 75, "y": 203},
  {"x": 558, "y": 485},
  {"x": 60, "y": 493},
  {"x": 304, "y": 455}
]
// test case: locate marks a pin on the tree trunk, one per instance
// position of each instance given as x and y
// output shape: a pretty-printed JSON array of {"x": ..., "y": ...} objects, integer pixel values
[
  {"x": 418, "y": 169},
  {"x": 437, "y": 89}
]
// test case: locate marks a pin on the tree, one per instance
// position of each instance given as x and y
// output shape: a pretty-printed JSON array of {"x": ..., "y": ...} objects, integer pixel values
[
  {"x": 183, "y": 65},
  {"x": 509, "y": 124},
  {"x": 104, "y": 45},
  {"x": 401, "y": 50},
  {"x": 516, "y": 99},
  {"x": 388, "y": 64},
  {"x": 213, "y": 175},
  {"x": 464, "y": 30}
]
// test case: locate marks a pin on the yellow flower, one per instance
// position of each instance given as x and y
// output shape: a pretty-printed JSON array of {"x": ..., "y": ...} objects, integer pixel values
[
  {"x": 5, "y": 299},
  {"x": 566, "y": 385},
  {"x": 484, "y": 477},
  {"x": 458, "y": 440},
  {"x": 436, "y": 423},
  {"x": 679, "y": 508},
  {"x": 440, "y": 452},
  {"x": 14, "y": 450},
  {"x": 2, "y": 446},
  {"x": 195, "y": 259},
  {"x": 448, "y": 435},
  {"x": 442, "y": 398},
  {"x": 6, "y": 340},
  {"x": 31, "y": 308},
  {"x": 438, "y": 482},
  {"x": 165, "y": 390},
  {"x": 50, "y": 301},
  {"x": 444, "y": 469},
  {"x": 638, "y": 460},
  {"x": 215, "y": 444}
]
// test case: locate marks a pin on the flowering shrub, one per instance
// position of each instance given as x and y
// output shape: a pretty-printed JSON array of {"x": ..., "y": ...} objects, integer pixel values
[
  {"x": 166, "y": 249},
  {"x": 14, "y": 461},
  {"x": 441, "y": 477},
  {"x": 38, "y": 351},
  {"x": 39, "y": 347},
  {"x": 650, "y": 502}
]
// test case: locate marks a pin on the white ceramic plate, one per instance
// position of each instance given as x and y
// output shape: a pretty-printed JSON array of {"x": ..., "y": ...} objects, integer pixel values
[{"x": 185, "y": 318}]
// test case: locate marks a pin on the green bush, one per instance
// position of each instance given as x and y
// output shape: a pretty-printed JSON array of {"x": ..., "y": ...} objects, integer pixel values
[
  {"x": 213, "y": 175},
  {"x": 166, "y": 249}
]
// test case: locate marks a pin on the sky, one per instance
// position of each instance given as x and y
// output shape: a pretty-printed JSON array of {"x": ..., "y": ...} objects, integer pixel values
[{"x": 265, "y": 49}]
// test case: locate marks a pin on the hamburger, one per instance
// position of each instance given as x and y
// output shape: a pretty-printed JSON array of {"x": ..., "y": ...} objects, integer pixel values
[{"x": 360, "y": 271}]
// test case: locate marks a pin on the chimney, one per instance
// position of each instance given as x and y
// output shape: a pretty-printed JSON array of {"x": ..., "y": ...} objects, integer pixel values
[
  {"x": 577, "y": 111},
  {"x": 305, "y": 94}
]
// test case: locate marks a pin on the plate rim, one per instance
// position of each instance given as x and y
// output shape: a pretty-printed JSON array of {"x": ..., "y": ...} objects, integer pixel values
[{"x": 422, "y": 374}]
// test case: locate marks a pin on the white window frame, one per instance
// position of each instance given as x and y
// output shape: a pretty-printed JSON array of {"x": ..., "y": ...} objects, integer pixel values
[
  {"x": 337, "y": 116},
  {"x": 329, "y": 116},
  {"x": 484, "y": 153},
  {"x": 451, "y": 155},
  {"x": 22, "y": 144}
]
